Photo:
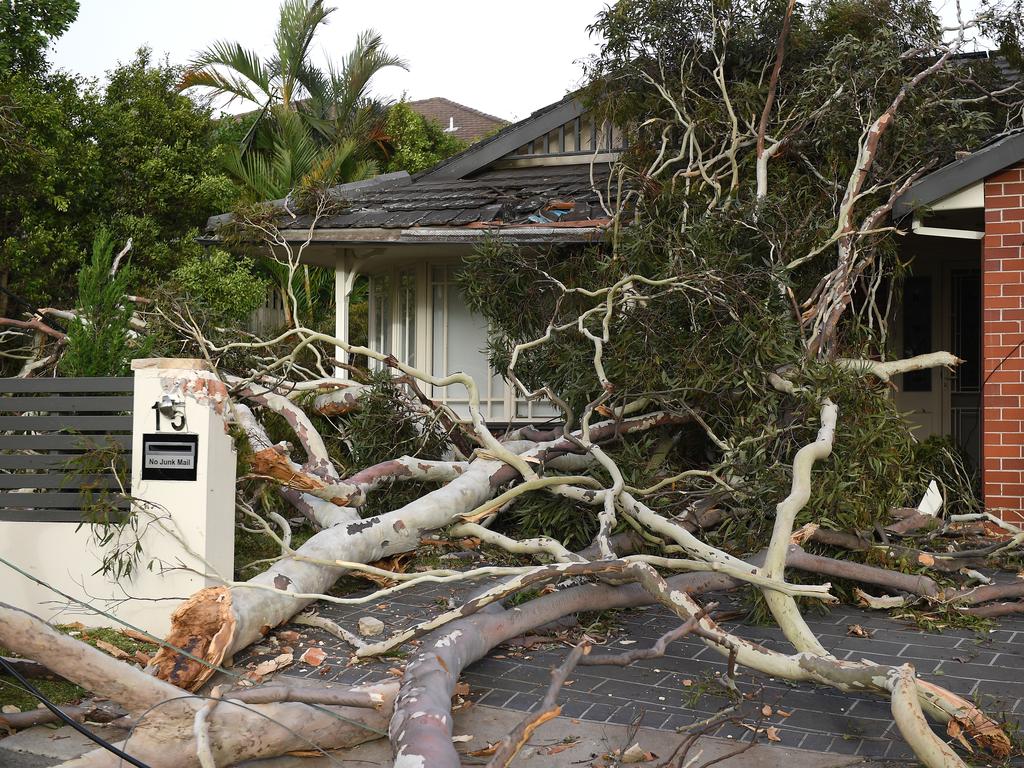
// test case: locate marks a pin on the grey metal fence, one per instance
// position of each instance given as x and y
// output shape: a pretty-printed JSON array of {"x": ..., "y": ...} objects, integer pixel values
[{"x": 47, "y": 426}]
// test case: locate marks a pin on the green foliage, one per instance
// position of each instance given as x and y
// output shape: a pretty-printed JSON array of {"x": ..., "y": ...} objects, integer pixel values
[
  {"x": 416, "y": 143},
  {"x": 226, "y": 286},
  {"x": 99, "y": 339},
  {"x": 542, "y": 514},
  {"x": 115, "y": 525},
  {"x": 739, "y": 271},
  {"x": 26, "y": 29},
  {"x": 383, "y": 427},
  {"x": 252, "y": 550},
  {"x": 49, "y": 171},
  {"x": 159, "y": 170},
  {"x": 136, "y": 157},
  {"x": 295, "y": 160}
]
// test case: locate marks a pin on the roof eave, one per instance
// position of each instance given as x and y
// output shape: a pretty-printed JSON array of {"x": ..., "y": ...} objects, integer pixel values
[
  {"x": 438, "y": 235},
  {"x": 960, "y": 174}
]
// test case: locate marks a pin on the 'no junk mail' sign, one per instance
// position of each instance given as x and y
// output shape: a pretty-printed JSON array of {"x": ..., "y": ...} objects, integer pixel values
[{"x": 169, "y": 456}]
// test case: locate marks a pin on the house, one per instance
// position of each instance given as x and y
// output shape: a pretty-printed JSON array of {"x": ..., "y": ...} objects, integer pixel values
[
  {"x": 465, "y": 123},
  {"x": 966, "y": 294},
  {"x": 537, "y": 181}
]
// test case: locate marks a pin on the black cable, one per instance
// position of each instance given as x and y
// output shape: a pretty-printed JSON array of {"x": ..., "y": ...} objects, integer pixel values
[
  {"x": 70, "y": 721},
  {"x": 1001, "y": 362},
  {"x": 1007, "y": 356}
]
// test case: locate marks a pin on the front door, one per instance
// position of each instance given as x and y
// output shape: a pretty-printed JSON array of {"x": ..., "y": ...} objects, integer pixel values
[
  {"x": 941, "y": 310},
  {"x": 962, "y": 387}
]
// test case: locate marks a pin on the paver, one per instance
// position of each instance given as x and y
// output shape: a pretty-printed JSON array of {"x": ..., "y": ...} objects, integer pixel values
[{"x": 653, "y": 692}]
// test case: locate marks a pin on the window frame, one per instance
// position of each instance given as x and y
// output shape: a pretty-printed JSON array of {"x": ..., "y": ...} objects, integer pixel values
[{"x": 496, "y": 407}]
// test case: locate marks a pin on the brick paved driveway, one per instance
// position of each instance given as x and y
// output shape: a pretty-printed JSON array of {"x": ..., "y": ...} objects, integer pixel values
[{"x": 989, "y": 668}]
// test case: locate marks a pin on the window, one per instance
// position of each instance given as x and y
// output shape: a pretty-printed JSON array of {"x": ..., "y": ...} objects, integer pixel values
[
  {"x": 582, "y": 134},
  {"x": 459, "y": 343},
  {"x": 405, "y": 303},
  {"x": 380, "y": 316},
  {"x": 393, "y": 316},
  {"x": 406, "y": 319}
]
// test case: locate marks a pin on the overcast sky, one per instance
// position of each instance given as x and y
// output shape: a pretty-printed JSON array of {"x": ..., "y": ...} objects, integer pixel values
[{"x": 507, "y": 59}]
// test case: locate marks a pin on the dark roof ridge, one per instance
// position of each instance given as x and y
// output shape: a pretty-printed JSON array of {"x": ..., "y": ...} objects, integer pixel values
[{"x": 505, "y": 140}]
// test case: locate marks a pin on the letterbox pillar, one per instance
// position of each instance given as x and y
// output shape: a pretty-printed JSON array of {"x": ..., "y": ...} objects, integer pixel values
[{"x": 183, "y": 477}]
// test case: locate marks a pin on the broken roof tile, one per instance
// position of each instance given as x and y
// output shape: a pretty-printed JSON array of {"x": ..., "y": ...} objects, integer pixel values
[{"x": 511, "y": 196}]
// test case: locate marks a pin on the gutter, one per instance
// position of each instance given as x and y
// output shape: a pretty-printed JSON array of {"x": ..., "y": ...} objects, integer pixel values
[
  {"x": 524, "y": 234},
  {"x": 430, "y": 235}
]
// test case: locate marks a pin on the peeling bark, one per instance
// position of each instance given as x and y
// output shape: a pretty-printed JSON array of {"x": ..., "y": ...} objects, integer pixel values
[
  {"x": 164, "y": 714},
  {"x": 272, "y": 597}
]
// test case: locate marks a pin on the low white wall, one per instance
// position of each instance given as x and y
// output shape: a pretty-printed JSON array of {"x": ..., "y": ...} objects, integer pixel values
[{"x": 187, "y": 534}]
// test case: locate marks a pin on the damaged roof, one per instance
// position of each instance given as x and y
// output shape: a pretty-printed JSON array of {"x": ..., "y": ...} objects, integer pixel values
[
  {"x": 521, "y": 196},
  {"x": 562, "y": 201},
  {"x": 462, "y": 197}
]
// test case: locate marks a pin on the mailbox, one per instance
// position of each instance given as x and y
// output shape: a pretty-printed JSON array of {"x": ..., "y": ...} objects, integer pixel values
[{"x": 169, "y": 456}]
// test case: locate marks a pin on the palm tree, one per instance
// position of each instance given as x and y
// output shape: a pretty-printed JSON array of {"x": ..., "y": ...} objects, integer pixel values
[
  {"x": 311, "y": 126},
  {"x": 295, "y": 161}
]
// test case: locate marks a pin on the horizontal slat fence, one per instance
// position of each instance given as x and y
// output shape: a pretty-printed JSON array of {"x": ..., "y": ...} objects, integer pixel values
[{"x": 45, "y": 424}]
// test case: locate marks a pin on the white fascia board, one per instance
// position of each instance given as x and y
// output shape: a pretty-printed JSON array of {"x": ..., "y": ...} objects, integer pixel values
[
  {"x": 961, "y": 234},
  {"x": 972, "y": 196}
]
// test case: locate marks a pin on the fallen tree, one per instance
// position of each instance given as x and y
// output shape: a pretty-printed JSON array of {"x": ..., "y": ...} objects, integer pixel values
[{"x": 723, "y": 370}]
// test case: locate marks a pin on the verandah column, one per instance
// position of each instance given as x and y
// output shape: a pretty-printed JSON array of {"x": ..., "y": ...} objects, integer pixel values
[
  {"x": 344, "y": 279},
  {"x": 1002, "y": 399}
]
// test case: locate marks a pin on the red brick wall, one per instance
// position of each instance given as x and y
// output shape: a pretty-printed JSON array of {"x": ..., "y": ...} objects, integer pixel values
[{"x": 1003, "y": 326}]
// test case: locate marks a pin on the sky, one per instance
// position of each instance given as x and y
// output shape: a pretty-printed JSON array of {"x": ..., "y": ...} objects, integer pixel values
[{"x": 507, "y": 59}]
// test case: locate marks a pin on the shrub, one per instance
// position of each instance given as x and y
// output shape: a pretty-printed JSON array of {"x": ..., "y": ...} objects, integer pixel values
[
  {"x": 224, "y": 286},
  {"x": 100, "y": 337}
]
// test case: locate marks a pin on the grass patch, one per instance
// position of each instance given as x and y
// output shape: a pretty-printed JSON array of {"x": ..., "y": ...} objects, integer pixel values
[{"x": 57, "y": 691}]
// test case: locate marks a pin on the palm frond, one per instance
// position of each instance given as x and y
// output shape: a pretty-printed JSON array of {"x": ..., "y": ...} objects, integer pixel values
[
  {"x": 351, "y": 81},
  {"x": 252, "y": 170},
  {"x": 297, "y": 25},
  {"x": 228, "y": 68}
]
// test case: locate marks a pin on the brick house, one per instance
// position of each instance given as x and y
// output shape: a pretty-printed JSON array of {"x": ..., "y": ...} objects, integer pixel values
[{"x": 966, "y": 294}]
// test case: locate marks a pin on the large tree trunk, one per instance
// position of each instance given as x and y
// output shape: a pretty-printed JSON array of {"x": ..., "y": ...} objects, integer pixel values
[
  {"x": 219, "y": 621},
  {"x": 164, "y": 715}
]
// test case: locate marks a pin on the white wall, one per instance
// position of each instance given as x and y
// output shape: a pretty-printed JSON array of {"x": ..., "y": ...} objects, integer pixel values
[{"x": 191, "y": 525}]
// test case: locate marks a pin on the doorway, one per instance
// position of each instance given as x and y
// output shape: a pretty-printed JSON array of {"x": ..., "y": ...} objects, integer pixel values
[{"x": 941, "y": 310}]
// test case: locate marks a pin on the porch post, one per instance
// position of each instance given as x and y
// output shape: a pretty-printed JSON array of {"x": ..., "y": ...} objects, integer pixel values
[
  {"x": 344, "y": 278},
  {"x": 1002, "y": 398}
]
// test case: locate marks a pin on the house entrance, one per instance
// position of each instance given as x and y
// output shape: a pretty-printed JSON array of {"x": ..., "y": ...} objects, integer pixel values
[{"x": 941, "y": 310}]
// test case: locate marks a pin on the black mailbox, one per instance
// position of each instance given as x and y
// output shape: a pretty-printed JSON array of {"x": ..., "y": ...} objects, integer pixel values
[{"x": 169, "y": 456}]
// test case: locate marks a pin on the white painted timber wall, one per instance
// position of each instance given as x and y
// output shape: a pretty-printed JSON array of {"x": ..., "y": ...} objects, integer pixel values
[{"x": 189, "y": 542}]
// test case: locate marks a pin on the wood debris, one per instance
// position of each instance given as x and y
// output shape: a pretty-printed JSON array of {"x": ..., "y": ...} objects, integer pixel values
[
  {"x": 856, "y": 630},
  {"x": 113, "y": 650}
]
